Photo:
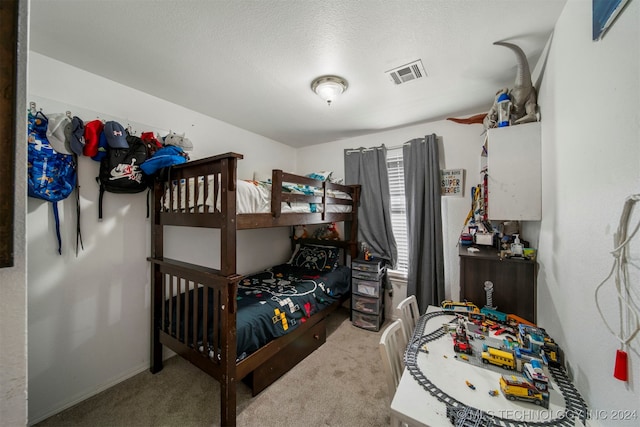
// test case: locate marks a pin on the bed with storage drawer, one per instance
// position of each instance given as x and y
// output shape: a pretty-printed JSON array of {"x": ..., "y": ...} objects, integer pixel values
[{"x": 253, "y": 328}]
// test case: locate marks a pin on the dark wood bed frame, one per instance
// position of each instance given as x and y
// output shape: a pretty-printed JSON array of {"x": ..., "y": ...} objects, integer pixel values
[{"x": 172, "y": 278}]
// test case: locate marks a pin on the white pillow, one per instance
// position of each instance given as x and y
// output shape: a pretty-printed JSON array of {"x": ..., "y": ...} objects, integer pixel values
[{"x": 262, "y": 176}]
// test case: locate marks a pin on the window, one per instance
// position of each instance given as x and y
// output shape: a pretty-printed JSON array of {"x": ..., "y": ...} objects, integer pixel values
[{"x": 398, "y": 209}]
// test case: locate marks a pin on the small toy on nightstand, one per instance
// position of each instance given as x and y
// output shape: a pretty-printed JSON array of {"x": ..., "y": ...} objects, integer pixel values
[{"x": 366, "y": 253}]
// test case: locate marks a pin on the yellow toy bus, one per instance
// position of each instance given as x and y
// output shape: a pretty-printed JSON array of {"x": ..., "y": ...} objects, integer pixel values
[
  {"x": 519, "y": 388},
  {"x": 503, "y": 358}
]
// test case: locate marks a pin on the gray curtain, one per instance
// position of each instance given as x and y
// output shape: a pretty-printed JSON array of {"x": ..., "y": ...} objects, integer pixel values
[
  {"x": 368, "y": 167},
  {"x": 424, "y": 221}
]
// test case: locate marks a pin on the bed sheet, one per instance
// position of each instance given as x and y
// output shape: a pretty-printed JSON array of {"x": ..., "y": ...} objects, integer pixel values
[
  {"x": 251, "y": 197},
  {"x": 272, "y": 303}
]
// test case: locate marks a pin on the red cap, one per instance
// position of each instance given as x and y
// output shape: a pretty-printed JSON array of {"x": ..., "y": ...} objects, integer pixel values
[
  {"x": 149, "y": 136},
  {"x": 92, "y": 132}
]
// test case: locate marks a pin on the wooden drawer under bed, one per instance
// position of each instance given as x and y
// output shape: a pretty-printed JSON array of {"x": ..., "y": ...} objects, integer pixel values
[{"x": 292, "y": 354}]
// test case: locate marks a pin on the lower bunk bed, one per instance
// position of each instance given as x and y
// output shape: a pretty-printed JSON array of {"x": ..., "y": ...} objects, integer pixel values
[{"x": 252, "y": 328}]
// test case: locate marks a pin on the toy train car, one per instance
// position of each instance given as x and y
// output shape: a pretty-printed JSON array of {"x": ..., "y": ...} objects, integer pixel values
[
  {"x": 459, "y": 306},
  {"x": 552, "y": 354},
  {"x": 514, "y": 320},
  {"x": 493, "y": 314}
]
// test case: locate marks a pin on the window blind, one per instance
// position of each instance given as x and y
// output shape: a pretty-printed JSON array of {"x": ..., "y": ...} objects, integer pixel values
[{"x": 398, "y": 208}]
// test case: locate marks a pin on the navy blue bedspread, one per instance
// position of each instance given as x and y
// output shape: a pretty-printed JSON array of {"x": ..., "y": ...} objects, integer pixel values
[{"x": 275, "y": 302}]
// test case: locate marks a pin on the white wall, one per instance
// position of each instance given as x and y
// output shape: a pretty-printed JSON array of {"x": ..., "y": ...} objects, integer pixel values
[
  {"x": 460, "y": 148},
  {"x": 13, "y": 280},
  {"x": 590, "y": 99},
  {"x": 88, "y": 323}
]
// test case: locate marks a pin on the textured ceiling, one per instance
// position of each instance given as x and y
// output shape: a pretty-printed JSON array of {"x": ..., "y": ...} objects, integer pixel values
[{"x": 251, "y": 63}]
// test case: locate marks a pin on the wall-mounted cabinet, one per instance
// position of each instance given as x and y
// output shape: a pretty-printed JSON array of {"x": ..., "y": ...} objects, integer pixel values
[{"x": 514, "y": 167}]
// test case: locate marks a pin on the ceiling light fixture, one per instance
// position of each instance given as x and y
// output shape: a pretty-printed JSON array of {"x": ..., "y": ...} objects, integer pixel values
[{"x": 329, "y": 87}]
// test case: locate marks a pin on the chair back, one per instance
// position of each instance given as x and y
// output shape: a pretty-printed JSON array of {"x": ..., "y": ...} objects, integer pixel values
[
  {"x": 409, "y": 313},
  {"x": 392, "y": 347}
]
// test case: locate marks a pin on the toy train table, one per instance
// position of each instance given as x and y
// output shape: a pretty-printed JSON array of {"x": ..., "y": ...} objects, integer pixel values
[{"x": 438, "y": 359}]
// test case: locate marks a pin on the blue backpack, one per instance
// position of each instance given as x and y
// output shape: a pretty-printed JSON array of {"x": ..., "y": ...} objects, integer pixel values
[{"x": 51, "y": 175}]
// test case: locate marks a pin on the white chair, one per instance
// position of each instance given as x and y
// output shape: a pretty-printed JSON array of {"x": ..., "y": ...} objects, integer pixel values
[
  {"x": 392, "y": 347},
  {"x": 409, "y": 313}
]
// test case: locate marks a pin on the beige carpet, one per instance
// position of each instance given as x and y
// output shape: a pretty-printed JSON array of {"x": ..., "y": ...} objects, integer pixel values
[{"x": 340, "y": 384}]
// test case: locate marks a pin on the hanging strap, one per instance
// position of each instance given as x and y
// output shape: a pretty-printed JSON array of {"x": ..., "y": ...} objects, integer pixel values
[
  {"x": 148, "y": 201},
  {"x": 57, "y": 218},
  {"x": 78, "y": 231},
  {"x": 100, "y": 200},
  {"x": 77, "y": 191}
]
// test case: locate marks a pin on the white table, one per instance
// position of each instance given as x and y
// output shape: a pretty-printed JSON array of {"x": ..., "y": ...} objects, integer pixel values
[{"x": 415, "y": 406}]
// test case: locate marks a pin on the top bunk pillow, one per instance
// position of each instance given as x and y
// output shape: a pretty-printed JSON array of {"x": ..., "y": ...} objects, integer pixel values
[
  {"x": 325, "y": 176},
  {"x": 320, "y": 176},
  {"x": 315, "y": 257},
  {"x": 261, "y": 176}
]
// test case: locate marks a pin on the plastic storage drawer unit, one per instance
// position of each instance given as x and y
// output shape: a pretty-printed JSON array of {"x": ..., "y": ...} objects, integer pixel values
[
  {"x": 367, "y": 293},
  {"x": 365, "y": 305},
  {"x": 366, "y": 287},
  {"x": 367, "y": 321},
  {"x": 366, "y": 275}
]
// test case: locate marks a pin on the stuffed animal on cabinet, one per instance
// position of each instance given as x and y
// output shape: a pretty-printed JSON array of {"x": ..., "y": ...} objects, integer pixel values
[
  {"x": 178, "y": 140},
  {"x": 327, "y": 232},
  {"x": 299, "y": 232}
]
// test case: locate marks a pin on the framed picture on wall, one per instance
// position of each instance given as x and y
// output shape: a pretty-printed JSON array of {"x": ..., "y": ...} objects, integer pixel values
[
  {"x": 604, "y": 14},
  {"x": 8, "y": 57},
  {"x": 452, "y": 182}
]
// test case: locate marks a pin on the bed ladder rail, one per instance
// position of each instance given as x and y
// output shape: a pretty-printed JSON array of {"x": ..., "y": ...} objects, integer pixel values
[{"x": 193, "y": 290}]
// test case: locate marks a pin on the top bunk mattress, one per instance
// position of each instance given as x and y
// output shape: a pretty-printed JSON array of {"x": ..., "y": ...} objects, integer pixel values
[{"x": 251, "y": 197}]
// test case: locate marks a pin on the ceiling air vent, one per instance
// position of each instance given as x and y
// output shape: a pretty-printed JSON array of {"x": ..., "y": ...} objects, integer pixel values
[{"x": 407, "y": 72}]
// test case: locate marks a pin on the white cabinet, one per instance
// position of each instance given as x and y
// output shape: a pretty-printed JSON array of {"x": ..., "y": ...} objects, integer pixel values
[{"x": 514, "y": 168}]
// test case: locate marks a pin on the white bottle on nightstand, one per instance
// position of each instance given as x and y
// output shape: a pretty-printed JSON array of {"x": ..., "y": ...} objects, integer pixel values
[{"x": 516, "y": 246}]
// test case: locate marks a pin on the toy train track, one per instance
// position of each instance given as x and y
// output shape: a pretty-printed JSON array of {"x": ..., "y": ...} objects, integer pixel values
[{"x": 463, "y": 415}]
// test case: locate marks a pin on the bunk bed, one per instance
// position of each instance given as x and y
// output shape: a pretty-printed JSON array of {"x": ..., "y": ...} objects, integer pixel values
[{"x": 203, "y": 193}]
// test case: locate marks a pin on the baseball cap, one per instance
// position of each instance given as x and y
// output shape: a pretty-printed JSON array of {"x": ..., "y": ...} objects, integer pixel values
[
  {"x": 116, "y": 135},
  {"x": 55, "y": 132},
  {"x": 102, "y": 147},
  {"x": 92, "y": 131},
  {"x": 74, "y": 135}
]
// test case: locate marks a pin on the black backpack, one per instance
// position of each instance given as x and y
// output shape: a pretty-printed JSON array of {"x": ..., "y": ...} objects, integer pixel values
[{"x": 120, "y": 170}]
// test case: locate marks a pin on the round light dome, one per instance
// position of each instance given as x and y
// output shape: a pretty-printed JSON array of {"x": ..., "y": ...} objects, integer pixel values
[{"x": 329, "y": 87}]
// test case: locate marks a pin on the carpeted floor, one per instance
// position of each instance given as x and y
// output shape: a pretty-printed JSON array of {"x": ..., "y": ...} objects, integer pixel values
[{"x": 340, "y": 384}]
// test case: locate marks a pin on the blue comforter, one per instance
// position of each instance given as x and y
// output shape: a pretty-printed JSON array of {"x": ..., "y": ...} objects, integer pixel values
[{"x": 272, "y": 303}]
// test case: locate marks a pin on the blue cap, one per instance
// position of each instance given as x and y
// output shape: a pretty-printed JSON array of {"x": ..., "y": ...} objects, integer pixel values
[
  {"x": 102, "y": 147},
  {"x": 74, "y": 133},
  {"x": 116, "y": 135}
]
